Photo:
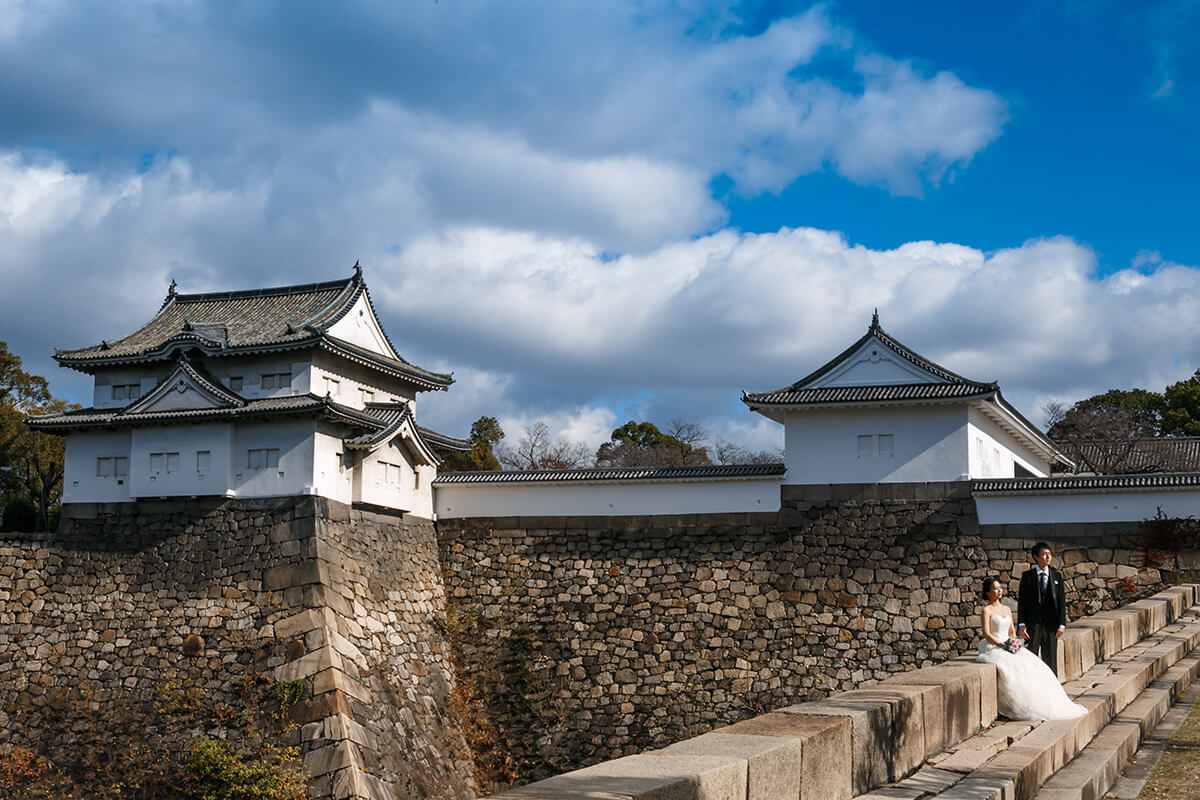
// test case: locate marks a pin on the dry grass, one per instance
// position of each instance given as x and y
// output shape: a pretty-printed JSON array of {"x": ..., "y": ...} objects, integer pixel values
[{"x": 1177, "y": 774}]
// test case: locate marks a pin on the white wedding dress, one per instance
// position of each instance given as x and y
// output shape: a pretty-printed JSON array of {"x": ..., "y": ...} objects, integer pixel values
[{"x": 1026, "y": 688}]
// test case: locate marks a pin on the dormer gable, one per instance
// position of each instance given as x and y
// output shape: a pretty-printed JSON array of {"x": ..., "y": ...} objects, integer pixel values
[
  {"x": 876, "y": 369},
  {"x": 185, "y": 389},
  {"x": 360, "y": 326},
  {"x": 875, "y": 363},
  {"x": 398, "y": 425}
]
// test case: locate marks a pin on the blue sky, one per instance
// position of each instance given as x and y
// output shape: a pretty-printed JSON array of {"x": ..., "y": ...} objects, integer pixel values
[{"x": 591, "y": 212}]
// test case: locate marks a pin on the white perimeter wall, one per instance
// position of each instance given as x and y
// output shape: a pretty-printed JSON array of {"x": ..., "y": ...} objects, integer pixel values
[
  {"x": 930, "y": 444},
  {"x": 606, "y": 499},
  {"x": 994, "y": 450},
  {"x": 1107, "y": 507}
]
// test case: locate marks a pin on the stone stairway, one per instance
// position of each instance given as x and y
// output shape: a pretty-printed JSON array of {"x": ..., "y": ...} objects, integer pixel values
[
  {"x": 1127, "y": 695},
  {"x": 932, "y": 732}
]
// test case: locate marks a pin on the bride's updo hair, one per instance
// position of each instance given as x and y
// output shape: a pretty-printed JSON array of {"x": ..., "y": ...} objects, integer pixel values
[{"x": 987, "y": 586}]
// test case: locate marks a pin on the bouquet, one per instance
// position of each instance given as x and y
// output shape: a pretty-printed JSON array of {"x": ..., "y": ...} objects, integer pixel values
[{"x": 1012, "y": 645}]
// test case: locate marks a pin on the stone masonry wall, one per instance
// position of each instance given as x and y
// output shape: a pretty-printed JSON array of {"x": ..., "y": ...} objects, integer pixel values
[
  {"x": 591, "y": 638},
  {"x": 134, "y": 605}
]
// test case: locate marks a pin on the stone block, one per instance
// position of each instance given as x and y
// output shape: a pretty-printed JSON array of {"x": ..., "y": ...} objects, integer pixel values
[
  {"x": 773, "y": 762},
  {"x": 873, "y": 754},
  {"x": 960, "y": 690},
  {"x": 982, "y": 788},
  {"x": 908, "y": 723},
  {"x": 647, "y": 776},
  {"x": 284, "y": 577},
  {"x": 825, "y": 744},
  {"x": 328, "y": 759},
  {"x": 308, "y": 665},
  {"x": 298, "y": 624}
]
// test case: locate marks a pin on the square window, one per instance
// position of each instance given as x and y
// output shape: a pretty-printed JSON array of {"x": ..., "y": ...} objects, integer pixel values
[
  {"x": 262, "y": 458},
  {"x": 203, "y": 459},
  {"x": 865, "y": 445},
  {"x": 104, "y": 468},
  {"x": 121, "y": 467},
  {"x": 235, "y": 383},
  {"x": 164, "y": 462},
  {"x": 887, "y": 444},
  {"x": 126, "y": 391}
]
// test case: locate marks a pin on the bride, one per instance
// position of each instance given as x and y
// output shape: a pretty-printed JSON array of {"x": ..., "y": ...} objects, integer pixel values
[{"x": 1026, "y": 687}]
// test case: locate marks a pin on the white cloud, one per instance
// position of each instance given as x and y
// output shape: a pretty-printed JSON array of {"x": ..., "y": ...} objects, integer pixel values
[
  {"x": 538, "y": 326},
  {"x": 606, "y": 121}
]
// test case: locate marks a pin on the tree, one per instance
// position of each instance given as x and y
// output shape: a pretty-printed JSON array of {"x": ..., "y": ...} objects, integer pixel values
[
  {"x": 1102, "y": 432},
  {"x": 31, "y": 462},
  {"x": 1181, "y": 412},
  {"x": 538, "y": 450},
  {"x": 727, "y": 452},
  {"x": 485, "y": 436},
  {"x": 642, "y": 444}
]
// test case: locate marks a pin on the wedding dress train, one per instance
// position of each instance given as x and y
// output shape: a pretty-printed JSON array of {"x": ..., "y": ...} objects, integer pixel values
[{"x": 1026, "y": 688}]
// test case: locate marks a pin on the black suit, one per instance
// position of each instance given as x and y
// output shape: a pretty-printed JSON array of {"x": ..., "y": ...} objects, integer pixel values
[{"x": 1042, "y": 614}]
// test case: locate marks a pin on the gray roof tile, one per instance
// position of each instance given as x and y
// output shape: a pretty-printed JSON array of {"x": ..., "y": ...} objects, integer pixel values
[
  {"x": 1087, "y": 484},
  {"x": 713, "y": 472},
  {"x": 251, "y": 321},
  {"x": 799, "y": 393}
]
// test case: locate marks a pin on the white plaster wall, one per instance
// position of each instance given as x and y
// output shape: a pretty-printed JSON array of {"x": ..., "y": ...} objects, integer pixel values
[
  {"x": 876, "y": 364},
  {"x": 147, "y": 379},
  {"x": 80, "y": 482},
  {"x": 360, "y": 327},
  {"x": 1108, "y": 507},
  {"x": 930, "y": 444},
  {"x": 412, "y": 492},
  {"x": 186, "y": 440},
  {"x": 984, "y": 461},
  {"x": 606, "y": 499},
  {"x": 293, "y": 476},
  {"x": 354, "y": 377},
  {"x": 328, "y": 479}
]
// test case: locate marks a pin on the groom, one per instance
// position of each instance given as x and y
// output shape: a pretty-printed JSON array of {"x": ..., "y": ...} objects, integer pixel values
[{"x": 1042, "y": 606}]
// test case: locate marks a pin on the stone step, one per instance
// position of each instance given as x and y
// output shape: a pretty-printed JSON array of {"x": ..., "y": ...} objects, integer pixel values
[
  {"x": 1093, "y": 772},
  {"x": 1125, "y": 696}
]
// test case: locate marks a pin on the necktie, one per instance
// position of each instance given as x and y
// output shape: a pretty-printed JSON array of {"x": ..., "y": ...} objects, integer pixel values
[{"x": 1042, "y": 576}]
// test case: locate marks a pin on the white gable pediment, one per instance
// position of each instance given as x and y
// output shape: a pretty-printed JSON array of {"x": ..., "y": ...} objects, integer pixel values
[
  {"x": 182, "y": 391},
  {"x": 361, "y": 327},
  {"x": 875, "y": 364}
]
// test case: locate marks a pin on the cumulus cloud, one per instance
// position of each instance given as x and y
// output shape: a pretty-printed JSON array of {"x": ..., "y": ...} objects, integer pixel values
[{"x": 604, "y": 120}]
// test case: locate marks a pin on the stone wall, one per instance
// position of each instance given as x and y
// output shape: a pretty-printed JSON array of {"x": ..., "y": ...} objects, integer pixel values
[
  {"x": 591, "y": 638},
  {"x": 153, "y": 604}
]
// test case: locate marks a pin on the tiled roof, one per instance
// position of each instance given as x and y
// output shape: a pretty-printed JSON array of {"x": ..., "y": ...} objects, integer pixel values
[
  {"x": 1136, "y": 456},
  {"x": 302, "y": 404},
  {"x": 791, "y": 396},
  {"x": 799, "y": 393},
  {"x": 390, "y": 416},
  {"x": 251, "y": 321},
  {"x": 443, "y": 441},
  {"x": 714, "y": 472},
  {"x": 1088, "y": 484}
]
